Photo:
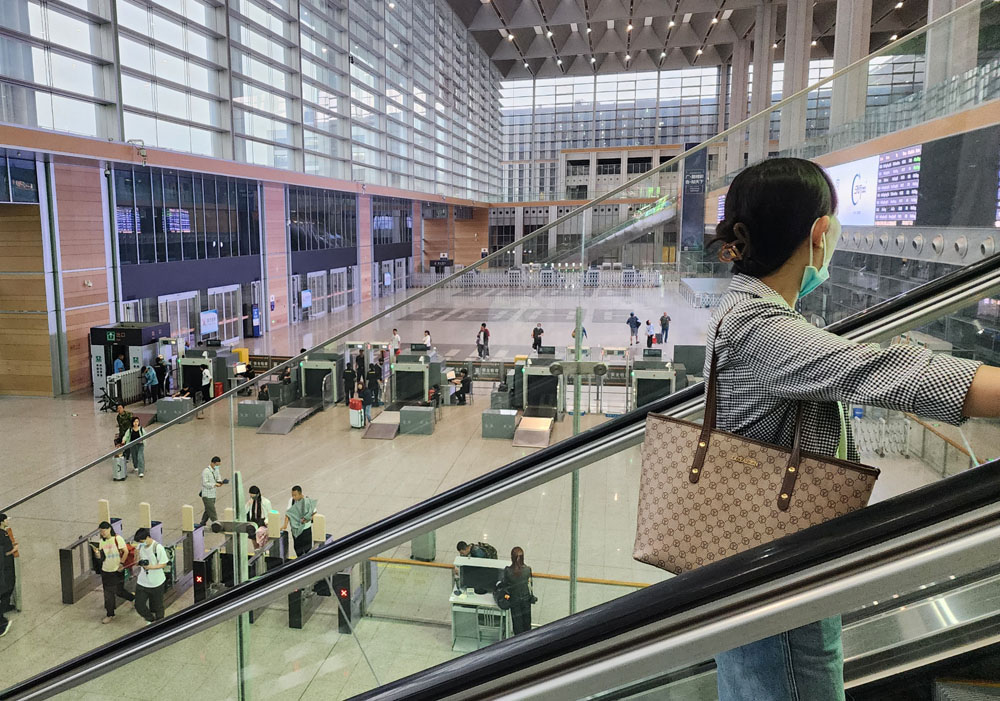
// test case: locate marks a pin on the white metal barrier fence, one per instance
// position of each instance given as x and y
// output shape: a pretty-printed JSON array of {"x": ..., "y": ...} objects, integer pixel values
[
  {"x": 554, "y": 278},
  {"x": 125, "y": 386}
]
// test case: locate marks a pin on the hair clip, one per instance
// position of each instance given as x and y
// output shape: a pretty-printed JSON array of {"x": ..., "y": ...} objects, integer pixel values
[{"x": 730, "y": 252}]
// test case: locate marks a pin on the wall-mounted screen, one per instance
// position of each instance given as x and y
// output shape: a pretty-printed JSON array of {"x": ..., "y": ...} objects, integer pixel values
[
  {"x": 856, "y": 185},
  {"x": 898, "y": 182},
  {"x": 720, "y": 212},
  {"x": 958, "y": 180}
]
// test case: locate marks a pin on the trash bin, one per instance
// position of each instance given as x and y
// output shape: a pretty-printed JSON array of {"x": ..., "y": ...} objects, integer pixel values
[{"x": 218, "y": 390}]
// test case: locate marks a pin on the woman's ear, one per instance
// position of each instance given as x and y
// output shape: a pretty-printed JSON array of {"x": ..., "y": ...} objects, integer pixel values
[{"x": 819, "y": 229}]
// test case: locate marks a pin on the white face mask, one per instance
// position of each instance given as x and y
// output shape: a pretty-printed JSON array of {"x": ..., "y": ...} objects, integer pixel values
[{"x": 811, "y": 277}]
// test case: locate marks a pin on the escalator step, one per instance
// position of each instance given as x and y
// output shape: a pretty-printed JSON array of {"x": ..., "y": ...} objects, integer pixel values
[{"x": 966, "y": 690}]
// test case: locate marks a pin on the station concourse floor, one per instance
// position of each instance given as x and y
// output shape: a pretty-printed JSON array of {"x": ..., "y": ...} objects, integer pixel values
[{"x": 356, "y": 482}]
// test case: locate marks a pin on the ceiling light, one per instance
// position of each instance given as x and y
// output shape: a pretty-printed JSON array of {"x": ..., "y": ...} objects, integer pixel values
[
  {"x": 510, "y": 37},
  {"x": 558, "y": 61},
  {"x": 671, "y": 23},
  {"x": 899, "y": 5},
  {"x": 774, "y": 45},
  {"x": 593, "y": 60},
  {"x": 395, "y": 46},
  {"x": 663, "y": 54},
  {"x": 812, "y": 43},
  {"x": 526, "y": 64},
  {"x": 894, "y": 37},
  {"x": 549, "y": 34},
  {"x": 627, "y": 57},
  {"x": 698, "y": 52},
  {"x": 628, "y": 28},
  {"x": 589, "y": 30},
  {"x": 715, "y": 20},
  {"x": 392, "y": 6}
]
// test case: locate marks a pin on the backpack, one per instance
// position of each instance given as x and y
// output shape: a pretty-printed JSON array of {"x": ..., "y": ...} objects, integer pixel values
[
  {"x": 491, "y": 552},
  {"x": 131, "y": 557}
]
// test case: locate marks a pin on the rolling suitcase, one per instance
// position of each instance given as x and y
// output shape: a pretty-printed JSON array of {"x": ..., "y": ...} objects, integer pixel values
[
  {"x": 357, "y": 418},
  {"x": 659, "y": 338},
  {"x": 119, "y": 468}
]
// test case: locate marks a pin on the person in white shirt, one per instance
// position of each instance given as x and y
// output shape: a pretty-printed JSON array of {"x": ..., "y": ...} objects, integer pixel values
[
  {"x": 396, "y": 342},
  {"x": 257, "y": 507},
  {"x": 149, "y": 585},
  {"x": 206, "y": 387},
  {"x": 211, "y": 479},
  {"x": 427, "y": 339},
  {"x": 111, "y": 550}
]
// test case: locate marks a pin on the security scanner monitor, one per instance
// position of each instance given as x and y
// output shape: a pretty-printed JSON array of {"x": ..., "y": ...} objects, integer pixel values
[
  {"x": 479, "y": 574},
  {"x": 241, "y": 368},
  {"x": 652, "y": 352},
  {"x": 691, "y": 357}
]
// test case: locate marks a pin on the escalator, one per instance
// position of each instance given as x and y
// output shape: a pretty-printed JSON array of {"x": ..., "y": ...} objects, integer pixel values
[{"x": 915, "y": 578}]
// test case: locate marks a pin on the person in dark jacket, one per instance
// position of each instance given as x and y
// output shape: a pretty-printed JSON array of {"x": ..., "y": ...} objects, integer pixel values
[
  {"x": 124, "y": 419},
  {"x": 517, "y": 580},
  {"x": 374, "y": 382},
  {"x": 366, "y": 399},
  {"x": 161, "y": 369},
  {"x": 350, "y": 382}
]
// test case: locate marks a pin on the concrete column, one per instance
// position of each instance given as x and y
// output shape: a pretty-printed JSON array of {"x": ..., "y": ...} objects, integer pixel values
[
  {"x": 723, "y": 91},
  {"x": 763, "y": 72},
  {"x": 953, "y": 47},
  {"x": 417, "y": 249},
  {"x": 737, "y": 104},
  {"x": 850, "y": 44},
  {"x": 519, "y": 234},
  {"x": 553, "y": 215},
  {"x": 798, "y": 45},
  {"x": 592, "y": 177}
]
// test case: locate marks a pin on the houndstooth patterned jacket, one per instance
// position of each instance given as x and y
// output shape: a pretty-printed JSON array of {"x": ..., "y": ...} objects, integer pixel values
[{"x": 771, "y": 357}]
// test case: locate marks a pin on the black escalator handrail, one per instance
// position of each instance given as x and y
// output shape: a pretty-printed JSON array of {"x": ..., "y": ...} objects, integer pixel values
[
  {"x": 190, "y": 617},
  {"x": 827, "y": 542}
]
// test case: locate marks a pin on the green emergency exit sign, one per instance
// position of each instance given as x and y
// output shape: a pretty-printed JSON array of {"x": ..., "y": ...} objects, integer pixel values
[{"x": 110, "y": 336}]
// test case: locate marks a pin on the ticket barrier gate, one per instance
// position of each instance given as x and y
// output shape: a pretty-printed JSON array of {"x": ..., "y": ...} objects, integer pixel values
[
  {"x": 79, "y": 569},
  {"x": 213, "y": 572},
  {"x": 303, "y": 603},
  {"x": 183, "y": 552},
  {"x": 269, "y": 557},
  {"x": 355, "y": 589}
]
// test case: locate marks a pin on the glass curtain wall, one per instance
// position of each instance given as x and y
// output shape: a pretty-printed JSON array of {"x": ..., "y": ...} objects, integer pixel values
[
  {"x": 321, "y": 219},
  {"x": 406, "y": 97}
]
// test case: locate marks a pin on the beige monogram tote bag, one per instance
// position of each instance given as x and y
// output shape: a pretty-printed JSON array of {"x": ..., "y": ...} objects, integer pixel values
[{"x": 707, "y": 494}]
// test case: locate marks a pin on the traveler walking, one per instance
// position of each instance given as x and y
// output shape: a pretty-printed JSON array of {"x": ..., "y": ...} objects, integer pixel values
[
  {"x": 350, "y": 382},
  {"x": 395, "y": 343},
  {"x": 206, "y": 387},
  {"x": 150, "y": 383},
  {"x": 483, "y": 342},
  {"x": 138, "y": 451},
  {"x": 119, "y": 364},
  {"x": 257, "y": 507},
  {"x": 124, "y": 420},
  {"x": 536, "y": 337},
  {"x": 111, "y": 550},
  {"x": 366, "y": 396},
  {"x": 516, "y": 581},
  {"x": 427, "y": 339},
  {"x": 633, "y": 326},
  {"x": 374, "y": 378},
  {"x": 211, "y": 480},
  {"x": 650, "y": 334},
  {"x": 780, "y": 230},
  {"x": 152, "y": 561},
  {"x": 161, "y": 370},
  {"x": 298, "y": 521},
  {"x": 664, "y": 327}
]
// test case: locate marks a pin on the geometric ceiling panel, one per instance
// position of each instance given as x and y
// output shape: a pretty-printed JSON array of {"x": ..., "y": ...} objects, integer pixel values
[{"x": 678, "y": 28}]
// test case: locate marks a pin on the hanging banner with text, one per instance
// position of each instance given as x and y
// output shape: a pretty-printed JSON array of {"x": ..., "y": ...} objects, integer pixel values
[{"x": 693, "y": 200}]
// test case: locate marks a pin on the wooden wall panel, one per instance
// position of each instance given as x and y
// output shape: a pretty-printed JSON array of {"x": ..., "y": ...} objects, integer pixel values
[
  {"x": 80, "y": 217},
  {"x": 22, "y": 293},
  {"x": 418, "y": 233},
  {"x": 276, "y": 263},
  {"x": 437, "y": 237},
  {"x": 78, "y": 325},
  {"x": 471, "y": 236},
  {"x": 25, "y": 358},
  {"x": 20, "y": 239}
]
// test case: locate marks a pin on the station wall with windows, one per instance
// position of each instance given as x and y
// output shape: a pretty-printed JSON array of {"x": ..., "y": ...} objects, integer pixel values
[{"x": 388, "y": 93}]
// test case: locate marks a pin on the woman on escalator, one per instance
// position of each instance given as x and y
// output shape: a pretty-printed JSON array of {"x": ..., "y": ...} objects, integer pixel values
[{"x": 780, "y": 231}]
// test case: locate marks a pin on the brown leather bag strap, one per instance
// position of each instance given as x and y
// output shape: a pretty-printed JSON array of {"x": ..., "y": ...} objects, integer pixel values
[
  {"x": 708, "y": 421},
  {"x": 794, "y": 463}
]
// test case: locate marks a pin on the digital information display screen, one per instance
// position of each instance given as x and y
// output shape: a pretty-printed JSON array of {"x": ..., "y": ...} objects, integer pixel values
[
  {"x": 856, "y": 185},
  {"x": 898, "y": 185},
  {"x": 720, "y": 212}
]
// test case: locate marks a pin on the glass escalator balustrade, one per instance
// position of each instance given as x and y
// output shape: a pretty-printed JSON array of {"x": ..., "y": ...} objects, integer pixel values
[{"x": 406, "y": 609}]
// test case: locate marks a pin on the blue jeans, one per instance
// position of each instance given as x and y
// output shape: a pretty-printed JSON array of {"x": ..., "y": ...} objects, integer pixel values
[
  {"x": 804, "y": 664},
  {"x": 368, "y": 413}
]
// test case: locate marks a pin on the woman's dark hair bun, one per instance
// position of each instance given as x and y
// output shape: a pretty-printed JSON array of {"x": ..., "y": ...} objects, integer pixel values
[{"x": 769, "y": 211}]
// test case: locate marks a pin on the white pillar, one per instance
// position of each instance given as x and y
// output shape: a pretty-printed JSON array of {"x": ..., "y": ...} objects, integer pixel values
[
  {"x": 798, "y": 45},
  {"x": 763, "y": 71},
  {"x": 737, "y": 104},
  {"x": 952, "y": 48},
  {"x": 850, "y": 44}
]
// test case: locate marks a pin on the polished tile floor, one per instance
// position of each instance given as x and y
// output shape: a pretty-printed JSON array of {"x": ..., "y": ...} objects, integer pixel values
[{"x": 356, "y": 482}]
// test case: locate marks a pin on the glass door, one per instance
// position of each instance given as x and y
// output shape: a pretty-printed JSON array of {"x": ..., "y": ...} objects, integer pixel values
[
  {"x": 338, "y": 289},
  {"x": 317, "y": 284},
  {"x": 180, "y": 311}
]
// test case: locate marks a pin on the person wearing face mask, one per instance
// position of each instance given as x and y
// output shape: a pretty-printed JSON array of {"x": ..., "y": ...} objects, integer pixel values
[{"x": 780, "y": 231}]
